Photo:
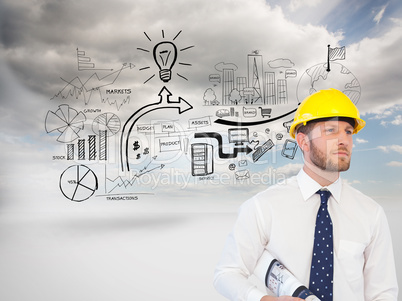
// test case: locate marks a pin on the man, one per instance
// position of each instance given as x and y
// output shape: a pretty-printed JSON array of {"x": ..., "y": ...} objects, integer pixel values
[{"x": 359, "y": 262}]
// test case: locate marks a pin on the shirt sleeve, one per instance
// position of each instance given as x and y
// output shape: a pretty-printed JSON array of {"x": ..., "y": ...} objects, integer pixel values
[
  {"x": 242, "y": 249},
  {"x": 379, "y": 270}
]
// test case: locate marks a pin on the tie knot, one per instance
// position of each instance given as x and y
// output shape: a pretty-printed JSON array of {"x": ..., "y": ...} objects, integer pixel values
[{"x": 324, "y": 194}]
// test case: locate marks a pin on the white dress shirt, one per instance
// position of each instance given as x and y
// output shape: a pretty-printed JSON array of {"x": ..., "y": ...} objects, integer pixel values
[{"x": 281, "y": 220}]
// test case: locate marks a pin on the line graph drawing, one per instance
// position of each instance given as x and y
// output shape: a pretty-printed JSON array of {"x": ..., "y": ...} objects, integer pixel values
[
  {"x": 65, "y": 120},
  {"x": 118, "y": 103},
  {"x": 119, "y": 182},
  {"x": 78, "y": 183},
  {"x": 86, "y": 90}
]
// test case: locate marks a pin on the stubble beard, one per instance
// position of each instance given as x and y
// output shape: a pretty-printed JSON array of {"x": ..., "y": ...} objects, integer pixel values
[{"x": 319, "y": 159}]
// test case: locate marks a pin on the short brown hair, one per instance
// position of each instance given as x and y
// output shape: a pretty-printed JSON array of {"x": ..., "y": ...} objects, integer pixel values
[{"x": 306, "y": 129}]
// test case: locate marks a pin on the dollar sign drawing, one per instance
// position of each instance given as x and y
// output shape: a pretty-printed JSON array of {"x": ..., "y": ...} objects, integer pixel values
[{"x": 136, "y": 145}]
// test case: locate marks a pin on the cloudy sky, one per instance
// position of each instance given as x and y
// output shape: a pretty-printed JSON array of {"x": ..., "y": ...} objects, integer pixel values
[
  {"x": 41, "y": 40},
  {"x": 48, "y": 47}
]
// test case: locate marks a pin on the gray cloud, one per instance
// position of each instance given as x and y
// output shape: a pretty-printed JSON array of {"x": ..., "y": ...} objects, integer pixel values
[{"x": 39, "y": 52}]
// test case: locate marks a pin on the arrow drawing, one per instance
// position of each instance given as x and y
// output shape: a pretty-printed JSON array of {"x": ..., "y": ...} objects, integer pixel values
[
  {"x": 218, "y": 137},
  {"x": 163, "y": 103}
]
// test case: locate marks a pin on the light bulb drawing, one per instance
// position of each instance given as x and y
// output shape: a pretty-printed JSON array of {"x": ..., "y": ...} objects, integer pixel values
[{"x": 165, "y": 55}]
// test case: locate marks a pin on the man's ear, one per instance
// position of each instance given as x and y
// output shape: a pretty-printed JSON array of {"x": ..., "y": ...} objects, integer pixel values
[{"x": 303, "y": 142}]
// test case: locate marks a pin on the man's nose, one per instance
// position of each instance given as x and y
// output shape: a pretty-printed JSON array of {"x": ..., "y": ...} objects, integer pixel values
[{"x": 343, "y": 138}]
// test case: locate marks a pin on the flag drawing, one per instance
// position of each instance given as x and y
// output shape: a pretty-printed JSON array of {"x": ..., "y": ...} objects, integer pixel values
[{"x": 337, "y": 53}]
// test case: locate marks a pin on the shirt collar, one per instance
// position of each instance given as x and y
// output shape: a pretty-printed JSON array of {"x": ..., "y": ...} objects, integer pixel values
[{"x": 309, "y": 187}]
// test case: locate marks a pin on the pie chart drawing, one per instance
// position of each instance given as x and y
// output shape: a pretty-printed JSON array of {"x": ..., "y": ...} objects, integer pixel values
[
  {"x": 108, "y": 122},
  {"x": 78, "y": 183},
  {"x": 67, "y": 121}
]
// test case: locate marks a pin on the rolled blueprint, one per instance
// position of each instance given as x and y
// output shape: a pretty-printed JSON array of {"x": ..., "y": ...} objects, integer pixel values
[{"x": 279, "y": 280}]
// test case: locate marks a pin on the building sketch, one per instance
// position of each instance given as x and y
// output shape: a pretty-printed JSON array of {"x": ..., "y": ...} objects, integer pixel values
[{"x": 260, "y": 87}]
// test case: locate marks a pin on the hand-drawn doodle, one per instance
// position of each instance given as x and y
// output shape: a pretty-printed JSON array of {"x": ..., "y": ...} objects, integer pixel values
[
  {"x": 287, "y": 124},
  {"x": 210, "y": 97},
  {"x": 119, "y": 182},
  {"x": 242, "y": 175},
  {"x": 108, "y": 122},
  {"x": 234, "y": 96},
  {"x": 255, "y": 75},
  {"x": 81, "y": 149},
  {"x": 265, "y": 112},
  {"x": 223, "y": 112},
  {"x": 228, "y": 71},
  {"x": 238, "y": 136},
  {"x": 279, "y": 136},
  {"x": 289, "y": 149},
  {"x": 91, "y": 88},
  {"x": 324, "y": 76},
  {"x": 136, "y": 145},
  {"x": 242, "y": 98},
  {"x": 195, "y": 123},
  {"x": 70, "y": 151},
  {"x": 261, "y": 150},
  {"x": 215, "y": 78},
  {"x": 166, "y": 135},
  {"x": 337, "y": 53},
  {"x": 92, "y": 147},
  {"x": 260, "y": 87},
  {"x": 85, "y": 62},
  {"x": 165, "y": 55},
  {"x": 168, "y": 144},
  {"x": 67, "y": 121},
  {"x": 317, "y": 77},
  {"x": 163, "y": 103},
  {"x": 103, "y": 145},
  {"x": 249, "y": 112},
  {"x": 242, "y": 163},
  {"x": 218, "y": 137},
  {"x": 251, "y": 123},
  {"x": 202, "y": 161},
  {"x": 78, "y": 183},
  {"x": 281, "y": 63},
  {"x": 290, "y": 73}
]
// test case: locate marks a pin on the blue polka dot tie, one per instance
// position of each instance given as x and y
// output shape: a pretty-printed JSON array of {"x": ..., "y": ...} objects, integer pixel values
[{"x": 322, "y": 264}]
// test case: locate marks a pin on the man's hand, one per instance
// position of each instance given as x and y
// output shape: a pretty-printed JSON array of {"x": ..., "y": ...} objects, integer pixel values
[{"x": 281, "y": 298}]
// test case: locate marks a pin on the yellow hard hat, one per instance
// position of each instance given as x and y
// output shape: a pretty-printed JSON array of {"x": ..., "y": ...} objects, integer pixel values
[{"x": 326, "y": 104}]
